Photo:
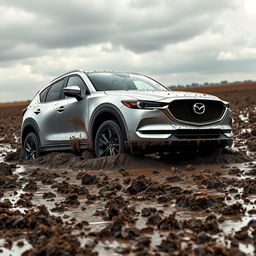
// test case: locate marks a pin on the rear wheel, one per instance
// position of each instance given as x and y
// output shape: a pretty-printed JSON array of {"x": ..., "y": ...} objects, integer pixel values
[
  {"x": 31, "y": 147},
  {"x": 108, "y": 140}
]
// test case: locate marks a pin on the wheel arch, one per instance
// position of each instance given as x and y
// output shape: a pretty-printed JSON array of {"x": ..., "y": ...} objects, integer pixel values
[
  {"x": 29, "y": 126},
  {"x": 102, "y": 113}
]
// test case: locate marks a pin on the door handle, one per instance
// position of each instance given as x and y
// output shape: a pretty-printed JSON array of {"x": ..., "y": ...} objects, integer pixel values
[
  {"x": 37, "y": 111},
  {"x": 60, "y": 109}
]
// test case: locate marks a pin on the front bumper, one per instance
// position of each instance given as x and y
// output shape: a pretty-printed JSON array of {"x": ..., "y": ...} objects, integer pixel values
[
  {"x": 153, "y": 131},
  {"x": 174, "y": 142}
]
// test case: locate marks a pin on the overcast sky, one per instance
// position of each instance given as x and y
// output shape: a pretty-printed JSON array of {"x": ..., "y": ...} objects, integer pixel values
[{"x": 174, "y": 41}]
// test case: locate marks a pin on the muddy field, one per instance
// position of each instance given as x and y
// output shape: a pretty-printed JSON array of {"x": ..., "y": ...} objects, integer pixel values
[{"x": 66, "y": 204}]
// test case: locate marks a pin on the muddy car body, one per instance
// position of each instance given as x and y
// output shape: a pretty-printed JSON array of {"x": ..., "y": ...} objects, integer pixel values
[{"x": 112, "y": 112}]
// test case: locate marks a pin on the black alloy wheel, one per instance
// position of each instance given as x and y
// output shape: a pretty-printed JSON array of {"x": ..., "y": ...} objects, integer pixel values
[
  {"x": 31, "y": 147},
  {"x": 109, "y": 139}
]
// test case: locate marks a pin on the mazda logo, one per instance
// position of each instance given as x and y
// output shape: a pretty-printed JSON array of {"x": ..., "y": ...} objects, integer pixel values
[{"x": 199, "y": 108}]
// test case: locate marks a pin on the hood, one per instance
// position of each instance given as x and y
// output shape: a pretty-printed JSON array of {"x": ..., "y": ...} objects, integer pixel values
[{"x": 160, "y": 96}]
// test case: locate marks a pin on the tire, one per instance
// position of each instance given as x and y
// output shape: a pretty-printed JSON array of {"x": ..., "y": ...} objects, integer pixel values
[
  {"x": 109, "y": 139},
  {"x": 31, "y": 147}
]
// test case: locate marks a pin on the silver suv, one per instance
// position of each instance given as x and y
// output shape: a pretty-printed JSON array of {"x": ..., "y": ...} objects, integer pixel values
[{"x": 111, "y": 112}]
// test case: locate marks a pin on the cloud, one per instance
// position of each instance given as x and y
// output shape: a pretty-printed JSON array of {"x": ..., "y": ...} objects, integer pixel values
[
  {"x": 173, "y": 41},
  {"x": 19, "y": 83},
  {"x": 245, "y": 53},
  {"x": 132, "y": 25}
]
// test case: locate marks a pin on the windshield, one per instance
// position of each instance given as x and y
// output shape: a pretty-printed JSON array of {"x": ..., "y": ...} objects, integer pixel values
[{"x": 123, "y": 81}]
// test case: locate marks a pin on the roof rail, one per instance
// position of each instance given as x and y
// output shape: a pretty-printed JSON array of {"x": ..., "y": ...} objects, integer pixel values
[{"x": 76, "y": 70}]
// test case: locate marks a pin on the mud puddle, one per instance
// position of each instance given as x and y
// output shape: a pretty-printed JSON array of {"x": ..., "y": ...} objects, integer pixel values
[
  {"x": 136, "y": 206},
  {"x": 17, "y": 248},
  {"x": 160, "y": 209}
]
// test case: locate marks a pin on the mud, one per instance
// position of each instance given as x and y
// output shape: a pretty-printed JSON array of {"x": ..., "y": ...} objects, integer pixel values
[{"x": 74, "y": 204}]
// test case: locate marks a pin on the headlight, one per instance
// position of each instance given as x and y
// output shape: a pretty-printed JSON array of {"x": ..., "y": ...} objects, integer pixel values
[{"x": 141, "y": 104}]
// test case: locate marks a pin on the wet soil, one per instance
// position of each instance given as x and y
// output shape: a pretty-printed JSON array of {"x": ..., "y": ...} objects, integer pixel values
[{"x": 68, "y": 204}]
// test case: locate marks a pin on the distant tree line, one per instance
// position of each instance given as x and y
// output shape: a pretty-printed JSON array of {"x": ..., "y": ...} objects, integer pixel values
[{"x": 224, "y": 82}]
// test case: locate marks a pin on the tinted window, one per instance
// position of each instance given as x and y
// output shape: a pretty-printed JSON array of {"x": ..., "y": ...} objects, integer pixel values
[
  {"x": 77, "y": 81},
  {"x": 43, "y": 94},
  {"x": 123, "y": 81},
  {"x": 54, "y": 92}
]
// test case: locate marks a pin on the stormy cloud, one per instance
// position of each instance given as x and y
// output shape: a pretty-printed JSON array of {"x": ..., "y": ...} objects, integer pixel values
[{"x": 173, "y": 41}]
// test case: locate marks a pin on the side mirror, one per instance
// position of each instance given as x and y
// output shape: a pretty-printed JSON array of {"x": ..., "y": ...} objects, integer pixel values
[{"x": 73, "y": 91}]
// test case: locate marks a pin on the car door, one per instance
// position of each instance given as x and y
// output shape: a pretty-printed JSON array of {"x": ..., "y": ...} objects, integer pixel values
[
  {"x": 49, "y": 114},
  {"x": 74, "y": 113}
]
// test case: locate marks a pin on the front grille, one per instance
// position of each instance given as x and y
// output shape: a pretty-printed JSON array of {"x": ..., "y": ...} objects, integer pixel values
[
  {"x": 183, "y": 110},
  {"x": 194, "y": 134}
]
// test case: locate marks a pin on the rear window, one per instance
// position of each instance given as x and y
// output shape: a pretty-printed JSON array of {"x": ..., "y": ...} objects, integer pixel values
[{"x": 43, "y": 94}]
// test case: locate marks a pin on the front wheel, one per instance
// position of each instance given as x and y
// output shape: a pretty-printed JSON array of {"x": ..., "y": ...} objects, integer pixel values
[
  {"x": 31, "y": 147},
  {"x": 108, "y": 140}
]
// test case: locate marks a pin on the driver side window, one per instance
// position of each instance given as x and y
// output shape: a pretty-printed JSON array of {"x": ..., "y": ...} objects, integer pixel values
[{"x": 77, "y": 81}]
